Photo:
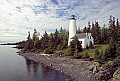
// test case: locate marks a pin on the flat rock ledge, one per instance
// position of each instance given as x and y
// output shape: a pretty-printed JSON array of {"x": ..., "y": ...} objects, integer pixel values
[{"x": 76, "y": 69}]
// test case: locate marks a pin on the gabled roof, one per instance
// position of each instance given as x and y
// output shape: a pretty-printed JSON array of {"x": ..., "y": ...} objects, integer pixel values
[{"x": 82, "y": 35}]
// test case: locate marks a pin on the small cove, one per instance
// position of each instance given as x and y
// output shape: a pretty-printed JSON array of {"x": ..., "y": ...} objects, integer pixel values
[{"x": 14, "y": 67}]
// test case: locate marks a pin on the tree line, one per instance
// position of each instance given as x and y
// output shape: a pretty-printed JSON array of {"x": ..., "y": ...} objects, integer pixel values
[
  {"x": 47, "y": 43},
  {"x": 59, "y": 39},
  {"x": 110, "y": 58}
]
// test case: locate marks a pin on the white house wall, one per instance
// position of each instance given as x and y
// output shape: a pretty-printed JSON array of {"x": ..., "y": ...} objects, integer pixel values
[
  {"x": 83, "y": 42},
  {"x": 86, "y": 41}
]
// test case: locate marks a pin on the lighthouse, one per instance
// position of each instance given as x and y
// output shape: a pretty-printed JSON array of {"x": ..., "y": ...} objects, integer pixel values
[{"x": 72, "y": 29}]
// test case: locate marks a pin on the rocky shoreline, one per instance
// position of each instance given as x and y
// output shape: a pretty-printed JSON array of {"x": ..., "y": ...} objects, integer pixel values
[{"x": 76, "y": 69}]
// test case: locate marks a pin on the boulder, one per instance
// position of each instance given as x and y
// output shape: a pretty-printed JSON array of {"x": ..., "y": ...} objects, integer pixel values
[
  {"x": 104, "y": 75},
  {"x": 94, "y": 67},
  {"x": 116, "y": 75}
]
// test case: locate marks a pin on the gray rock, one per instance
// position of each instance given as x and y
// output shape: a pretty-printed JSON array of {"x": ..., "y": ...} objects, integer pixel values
[
  {"x": 116, "y": 75},
  {"x": 104, "y": 75},
  {"x": 94, "y": 67}
]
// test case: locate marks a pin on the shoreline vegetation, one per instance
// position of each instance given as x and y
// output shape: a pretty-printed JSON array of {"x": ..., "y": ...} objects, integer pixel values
[{"x": 99, "y": 62}]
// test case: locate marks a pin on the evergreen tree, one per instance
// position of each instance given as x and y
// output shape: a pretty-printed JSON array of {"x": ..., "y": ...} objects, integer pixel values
[
  {"x": 29, "y": 43},
  {"x": 72, "y": 48},
  {"x": 56, "y": 37},
  {"x": 85, "y": 30},
  {"x": 112, "y": 28},
  {"x": 75, "y": 45},
  {"x": 78, "y": 44},
  {"x": 97, "y": 55},
  {"x": 93, "y": 30},
  {"x": 44, "y": 41},
  {"x": 87, "y": 47},
  {"x": 104, "y": 35},
  {"x": 91, "y": 45},
  {"x": 35, "y": 35},
  {"x": 117, "y": 24},
  {"x": 89, "y": 28},
  {"x": 35, "y": 39},
  {"x": 28, "y": 38},
  {"x": 97, "y": 36},
  {"x": 118, "y": 31},
  {"x": 51, "y": 41}
]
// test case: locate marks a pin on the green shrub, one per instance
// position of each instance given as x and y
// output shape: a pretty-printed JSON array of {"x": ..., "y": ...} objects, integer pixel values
[
  {"x": 77, "y": 55},
  {"x": 68, "y": 53},
  {"x": 97, "y": 55},
  {"x": 86, "y": 55},
  {"x": 87, "y": 47},
  {"x": 91, "y": 45}
]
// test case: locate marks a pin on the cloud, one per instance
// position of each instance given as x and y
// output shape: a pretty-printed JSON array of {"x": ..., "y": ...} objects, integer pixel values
[{"x": 21, "y": 16}]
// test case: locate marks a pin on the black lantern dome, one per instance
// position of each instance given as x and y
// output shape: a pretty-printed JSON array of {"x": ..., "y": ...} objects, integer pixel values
[{"x": 72, "y": 17}]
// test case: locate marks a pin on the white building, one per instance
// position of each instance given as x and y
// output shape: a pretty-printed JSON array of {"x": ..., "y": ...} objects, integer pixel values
[{"x": 84, "y": 38}]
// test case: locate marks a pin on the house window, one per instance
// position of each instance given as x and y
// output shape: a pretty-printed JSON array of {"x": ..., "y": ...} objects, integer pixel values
[
  {"x": 90, "y": 37},
  {"x": 81, "y": 42}
]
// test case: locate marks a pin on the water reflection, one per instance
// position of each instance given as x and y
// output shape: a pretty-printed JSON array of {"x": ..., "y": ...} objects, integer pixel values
[
  {"x": 32, "y": 66},
  {"x": 35, "y": 67},
  {"x": 42, "y": 72}
]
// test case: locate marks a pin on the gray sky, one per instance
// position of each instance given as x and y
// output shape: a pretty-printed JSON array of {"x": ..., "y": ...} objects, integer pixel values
[{"x": 17, "y": 17}]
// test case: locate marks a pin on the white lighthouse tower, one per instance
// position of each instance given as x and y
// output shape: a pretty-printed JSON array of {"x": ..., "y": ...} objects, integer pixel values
[{"x": 72, "y": 29}]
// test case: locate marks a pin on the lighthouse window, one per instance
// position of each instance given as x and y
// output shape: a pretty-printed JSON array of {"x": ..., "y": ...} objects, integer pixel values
[{"x": 81, "y": 42}]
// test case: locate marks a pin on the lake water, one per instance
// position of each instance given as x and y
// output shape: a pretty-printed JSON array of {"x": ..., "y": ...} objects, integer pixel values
[{"x": 14, "y": 67}]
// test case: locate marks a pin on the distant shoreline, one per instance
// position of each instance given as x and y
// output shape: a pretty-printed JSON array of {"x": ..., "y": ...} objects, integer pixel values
[{"x": 9, "y": 44}]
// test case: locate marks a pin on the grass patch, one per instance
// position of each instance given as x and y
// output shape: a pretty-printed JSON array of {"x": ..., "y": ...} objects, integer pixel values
[{"x": 92, "y": 51}]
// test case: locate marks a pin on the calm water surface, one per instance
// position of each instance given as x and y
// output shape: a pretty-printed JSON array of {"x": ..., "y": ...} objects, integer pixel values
[{"x": 14, "y": 67}]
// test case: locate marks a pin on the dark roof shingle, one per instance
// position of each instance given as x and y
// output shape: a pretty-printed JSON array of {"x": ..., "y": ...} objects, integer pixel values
[{"x": 82, "y": 35}]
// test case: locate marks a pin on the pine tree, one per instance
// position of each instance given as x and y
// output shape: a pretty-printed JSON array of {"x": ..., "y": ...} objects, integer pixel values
[
  {"x": 97, "y": 36},
  {"x": 85, "y": 30},
  {"x": 51, "y": 41},
  {"x": 44, "y": 41},
  {"x": 35, "y": 35},
  {"x": 28, "y": 36},
  {"x": 75, "y": 45},
  {"x": 93, "y": 30},
  {"x": 104, "y": 35},
  {"x": 57, "y": 38},
  {"x": 91, "y": 45},
  {"x": 35, "y": 39},
  {"x": 89, "y": 28},
  {"x": 63, "y": 38},
  {"x": 29, "y": 43},
  {"x": 72, "y": 48},
  {"x": 79, "y": 46},
  {"x": 112, "y": 28},
  {"x": 97, "y": 55}
]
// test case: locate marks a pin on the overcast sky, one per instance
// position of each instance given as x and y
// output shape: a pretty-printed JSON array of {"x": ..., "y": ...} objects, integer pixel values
[{"x": 17, "y": 17}]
